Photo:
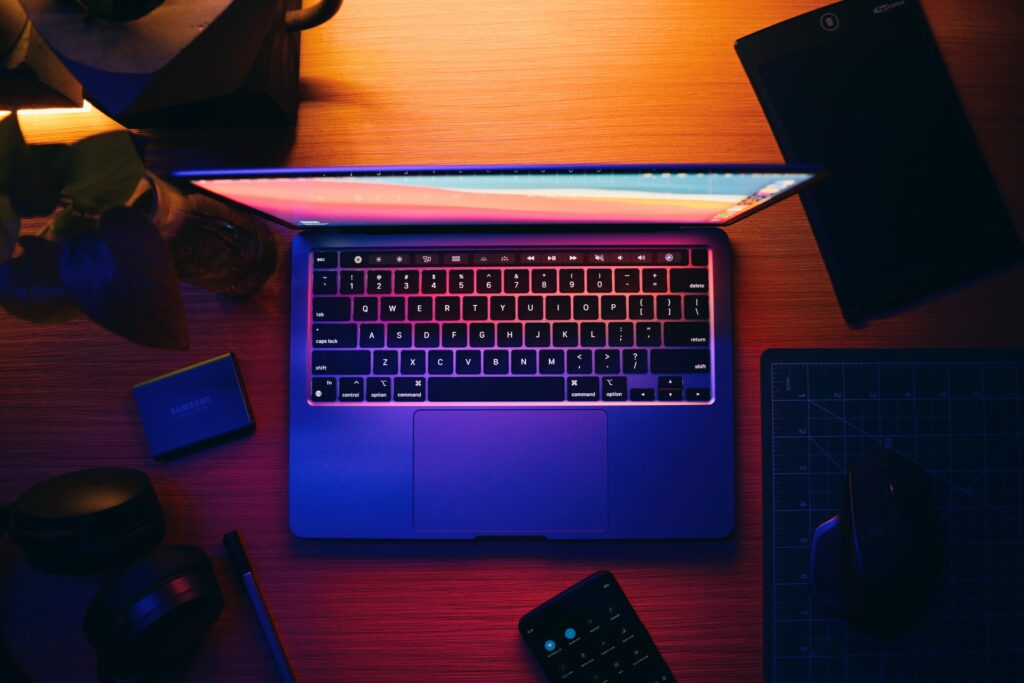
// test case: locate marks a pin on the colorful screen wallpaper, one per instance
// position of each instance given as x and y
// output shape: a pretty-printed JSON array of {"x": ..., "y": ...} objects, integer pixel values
[{"x": 549, "y": 195}]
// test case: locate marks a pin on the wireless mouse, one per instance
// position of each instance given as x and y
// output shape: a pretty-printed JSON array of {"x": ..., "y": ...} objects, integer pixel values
[{"x": 877, "y": 561}]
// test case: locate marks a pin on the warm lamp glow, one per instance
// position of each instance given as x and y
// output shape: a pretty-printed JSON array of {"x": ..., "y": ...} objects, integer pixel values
[{"x": 86, "y": 107}]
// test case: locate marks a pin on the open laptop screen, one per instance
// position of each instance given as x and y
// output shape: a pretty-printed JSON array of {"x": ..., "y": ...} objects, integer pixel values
[{"x": 309, "y": 198}]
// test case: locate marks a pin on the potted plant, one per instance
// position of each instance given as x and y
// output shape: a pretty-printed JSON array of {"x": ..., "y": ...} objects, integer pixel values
[{"x": 117, "y": 239}]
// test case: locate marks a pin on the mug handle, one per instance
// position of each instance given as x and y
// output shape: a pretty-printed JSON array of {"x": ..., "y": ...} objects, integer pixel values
[{"x": 308, "y": 17}]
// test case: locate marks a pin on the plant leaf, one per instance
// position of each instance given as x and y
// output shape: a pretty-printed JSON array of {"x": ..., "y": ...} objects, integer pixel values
[
  {"x": 10, "y": 225},
  {"x": 30, "y": 285},
  {"x": 22, "y": 178},
  {"x": 105, "y": 170},
  {"x": 123, "y": 278}
]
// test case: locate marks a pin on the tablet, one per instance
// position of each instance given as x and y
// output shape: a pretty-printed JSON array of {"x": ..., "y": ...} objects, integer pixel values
[{"x": 910, "y": 207}]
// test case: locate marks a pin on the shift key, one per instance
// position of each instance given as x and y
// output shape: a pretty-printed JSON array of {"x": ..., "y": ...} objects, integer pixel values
[
  {"x": 680, "y": 361},
  {"x": 341, "y": 362}
]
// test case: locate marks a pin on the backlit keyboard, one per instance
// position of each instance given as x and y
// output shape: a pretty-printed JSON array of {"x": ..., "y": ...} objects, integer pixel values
[{"x": 493, "y": 326}]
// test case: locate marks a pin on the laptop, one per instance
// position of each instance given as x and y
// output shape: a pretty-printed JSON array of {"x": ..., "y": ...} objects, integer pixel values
[{"x": 539, "y": 351}]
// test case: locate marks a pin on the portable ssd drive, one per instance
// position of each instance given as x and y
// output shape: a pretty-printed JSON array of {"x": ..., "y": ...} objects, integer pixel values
[{"x": 194, "y": 407}]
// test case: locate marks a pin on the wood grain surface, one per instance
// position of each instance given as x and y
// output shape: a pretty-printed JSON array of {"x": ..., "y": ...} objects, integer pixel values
[{"x": 462, "y": 81}]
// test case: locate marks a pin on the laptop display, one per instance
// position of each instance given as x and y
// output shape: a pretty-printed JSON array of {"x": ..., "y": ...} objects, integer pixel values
[{"x": 348, "y": 197}]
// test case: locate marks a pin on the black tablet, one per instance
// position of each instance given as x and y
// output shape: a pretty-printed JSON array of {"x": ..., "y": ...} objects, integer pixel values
[{"x": 910, "y": 206}]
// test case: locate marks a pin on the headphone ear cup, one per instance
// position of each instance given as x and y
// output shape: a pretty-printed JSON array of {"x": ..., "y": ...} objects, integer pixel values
[{"x": 150, "y": 616}]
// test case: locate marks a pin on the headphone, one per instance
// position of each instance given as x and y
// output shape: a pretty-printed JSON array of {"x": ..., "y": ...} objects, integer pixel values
[{"x": 153, "y": 611}]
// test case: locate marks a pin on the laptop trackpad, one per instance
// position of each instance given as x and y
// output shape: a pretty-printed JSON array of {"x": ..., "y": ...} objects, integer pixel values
[{"x": 518, "y": 472}]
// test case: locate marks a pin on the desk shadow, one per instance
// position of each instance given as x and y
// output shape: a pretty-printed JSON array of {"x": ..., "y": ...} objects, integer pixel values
[{"x": 697, "y": 553}]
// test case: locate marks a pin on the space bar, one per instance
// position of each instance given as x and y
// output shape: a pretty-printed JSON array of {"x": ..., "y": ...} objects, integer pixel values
[{"x": 507, "y": 389}]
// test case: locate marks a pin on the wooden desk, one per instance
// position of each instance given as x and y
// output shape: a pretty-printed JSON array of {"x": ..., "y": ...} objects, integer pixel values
[{"x": 450, "y": 81}]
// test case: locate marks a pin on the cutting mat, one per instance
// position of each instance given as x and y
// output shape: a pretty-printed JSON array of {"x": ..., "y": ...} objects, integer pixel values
[{"x": 959, "y": 414}]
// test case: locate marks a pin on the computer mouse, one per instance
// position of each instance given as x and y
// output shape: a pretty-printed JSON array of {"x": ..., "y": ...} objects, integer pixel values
[{"x": 877, "y": 561}]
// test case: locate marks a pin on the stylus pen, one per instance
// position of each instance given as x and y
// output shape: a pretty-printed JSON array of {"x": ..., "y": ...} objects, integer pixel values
[{"x": 240, "y": 563}]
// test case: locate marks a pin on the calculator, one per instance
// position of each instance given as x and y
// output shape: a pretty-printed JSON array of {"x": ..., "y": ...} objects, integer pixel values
[{"x": 591, "y": 633}]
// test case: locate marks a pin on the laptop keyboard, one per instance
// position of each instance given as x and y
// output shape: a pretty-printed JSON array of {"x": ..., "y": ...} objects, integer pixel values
[{"x": 493, "y": 326}]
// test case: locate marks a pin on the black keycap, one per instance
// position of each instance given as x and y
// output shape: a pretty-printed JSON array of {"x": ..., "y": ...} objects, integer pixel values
[
  {"x": 350, "y": 389},
  {"x": 371, "y": 336},
  {"x": 524, "y": 362},
  {"x": 392, "y": 308},
  {"x": 571, "y": 281},
  {"x": 641, "y": 307},
  {"x": 687, "y": 334},
  {"x": 454, "y": 335},
  {"x": 440, "y": 362},
  {"x": 460, "y": 282},
  {"x": 613, "y": 307},
  {"x": 654, "y": 280},
  {"x": 488, "y": 281},
  {"x": 531, "y": 308},
  {"x": 627, "y": 280},
  {"x": 324, "y": 389},
  {"x": 495, "y": 362},
  {"x": 670, "y": 382},
  {"x": 670, "y": 394},
  {"x": 325, "y": 259},
  {"x": 698, "y": 394},
  {"x": 538, "y": 334},
  {"x": 585, "y": 308},
  {"x": 566, "y": 335},
  {"x": 551, "y": 362},
  {"x": 352, "y": 282},
  {"x": 699, "y": 257},
  {"x": 696, "y": 307},
  {"x": 341, "y": 362},
  {"x": 492, "y": 389},
  {"x": 559, "y": 308},
  {"x": 599, "y": 281},
  {"x": 426, "y": 335},
  {"x": 620, "y": 334},
  {"x": 467, "y": 363},
  {"x": 331, "y": 308},
  {"x": 579, "y": 362},
  {"x": 510, "y": 335},
  {"x": 325, "y": 282},
  {"x": 434, "y": 282},
  {"x": 688, "y": 280},
  {"x": 474, "y": 308},
  {"x": 410, "y": 389},
  {"x": 669, "y": 307},
  {"x": 606, "y": 361},
  {"x": 503, "y": 308},
  {"x": 407, "y": 282},
  {"x": 679, "y": 361},
  {"x": 641, "y": 394},
  {"x": 592, "y": 334},
  {"x": 544, "y": 280},
  {"x": 400, "y": 336},
  {"x": 613, "y": 388},
  {"x": 379, "y": 282},
  {"x": 421, "y": 308},
  {"x": 517, "y": 281},
  {"x": 378, "y": 389},
  {"x": 446, "y": 308},
  {"x": 648, "y": 334},
  {"x": 385, "y": 362},
  {"x": 634, "y": 362},
  {"x": 414, "y": 362},
  {"x": 339, "y": 336},
  {"x": 481, "y": 335},
  {"x": 364, "y": 308},
  {"x": 583, "y": 388}
]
